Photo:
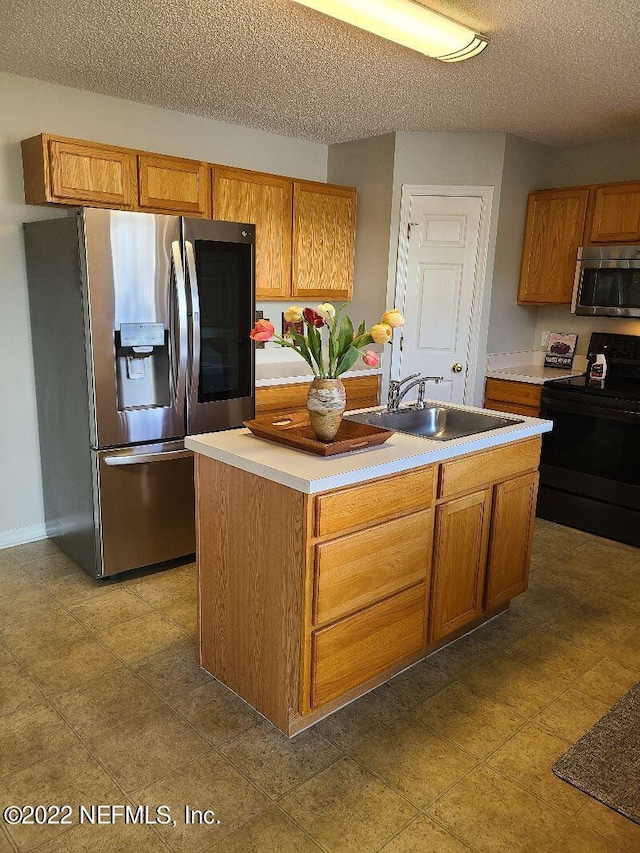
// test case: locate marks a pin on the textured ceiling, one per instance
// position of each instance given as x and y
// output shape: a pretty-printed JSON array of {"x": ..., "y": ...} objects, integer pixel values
[{"x": 556, "y": 71}]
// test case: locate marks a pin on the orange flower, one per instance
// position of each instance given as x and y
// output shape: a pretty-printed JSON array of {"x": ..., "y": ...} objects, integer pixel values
[{"x": 262, "y": 331}]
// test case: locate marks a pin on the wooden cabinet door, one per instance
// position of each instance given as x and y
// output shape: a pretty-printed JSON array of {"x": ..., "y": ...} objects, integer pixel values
[
  {"x": 173, "y": 185},
  {"x": 353, "y": 650},
  {"x": 266, "y": 201},
  {"x": 513, "y": 517},
  {"x": 615, "y": 216},
  {"x": 355, "y": 571},
  {"x": 324, "y": 221},
  {"x": 461, "y": 535},
  {"x": 84, "y": 173},
  {"x": 553, "y": 233}
]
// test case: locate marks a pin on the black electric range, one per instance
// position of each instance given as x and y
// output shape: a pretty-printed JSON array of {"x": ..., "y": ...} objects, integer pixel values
[{"x": 590, "y": 471}]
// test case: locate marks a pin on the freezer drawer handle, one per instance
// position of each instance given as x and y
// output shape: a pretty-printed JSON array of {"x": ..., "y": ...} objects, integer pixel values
[{"x": 143, "y": 458}]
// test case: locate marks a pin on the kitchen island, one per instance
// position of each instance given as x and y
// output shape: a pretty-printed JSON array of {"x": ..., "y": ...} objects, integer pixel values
[{"x": 321, "y": 578}]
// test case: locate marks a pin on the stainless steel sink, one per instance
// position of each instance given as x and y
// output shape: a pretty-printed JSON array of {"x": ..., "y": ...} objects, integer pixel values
[{"x": 439, "y": 423}]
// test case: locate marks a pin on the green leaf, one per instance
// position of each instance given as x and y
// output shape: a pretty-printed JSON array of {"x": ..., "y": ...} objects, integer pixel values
[
  {"x": 345, "y": 338},
  {"x": 315, "y": 345},
  {"x": 347, "y": 361},
  {"x": 301, "y": 345},
  {"x": 362, "y": 340},
  {"x": 362, "y": 328}
]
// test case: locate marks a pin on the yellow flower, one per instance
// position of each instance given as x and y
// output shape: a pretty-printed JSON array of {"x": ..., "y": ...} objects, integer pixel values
[
  {"x": 326, "y": 311},
  {"x": 293, "y": 314},
  {"x": 381, "y": 333},
  {"x": 393, "y": 318}
]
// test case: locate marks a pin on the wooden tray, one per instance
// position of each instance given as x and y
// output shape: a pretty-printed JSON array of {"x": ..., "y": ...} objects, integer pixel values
[{"x": 294, "y": 430}]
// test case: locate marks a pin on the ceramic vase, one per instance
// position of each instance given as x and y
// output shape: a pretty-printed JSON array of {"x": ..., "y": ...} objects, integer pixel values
[{"x": 326, "y": 402}]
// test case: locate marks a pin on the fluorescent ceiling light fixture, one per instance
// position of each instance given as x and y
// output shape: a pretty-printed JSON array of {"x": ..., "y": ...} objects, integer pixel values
[{"x": 408, "y": 23}]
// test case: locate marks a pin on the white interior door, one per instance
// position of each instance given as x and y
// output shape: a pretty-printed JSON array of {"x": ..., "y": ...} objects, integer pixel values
[{"x": 442, "y": 268}]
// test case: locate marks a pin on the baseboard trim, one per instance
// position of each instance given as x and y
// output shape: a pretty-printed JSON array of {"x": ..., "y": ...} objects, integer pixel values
[{"x": 22, "y": 535}]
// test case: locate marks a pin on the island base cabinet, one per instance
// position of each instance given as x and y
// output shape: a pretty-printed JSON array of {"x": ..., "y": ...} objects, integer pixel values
[
  {"x": 352, "y": 651},
  {"x": 461, "y": 536},
  {"x": 308, "y": 601},
  {"x": 513, "y": 517}
]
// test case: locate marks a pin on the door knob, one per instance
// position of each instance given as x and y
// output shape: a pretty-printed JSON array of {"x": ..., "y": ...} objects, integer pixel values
[{"x": 457, "y": 367}]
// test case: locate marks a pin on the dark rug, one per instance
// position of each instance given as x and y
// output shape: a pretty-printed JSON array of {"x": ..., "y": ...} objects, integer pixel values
[{"x": 605, "y": 763}]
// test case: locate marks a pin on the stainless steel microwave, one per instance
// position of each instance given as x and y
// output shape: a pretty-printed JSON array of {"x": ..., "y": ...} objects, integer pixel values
[{"x": 607, "y": 282}]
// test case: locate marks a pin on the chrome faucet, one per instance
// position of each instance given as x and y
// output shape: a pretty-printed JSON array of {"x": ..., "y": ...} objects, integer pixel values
[{"x": 397, "y": 392}]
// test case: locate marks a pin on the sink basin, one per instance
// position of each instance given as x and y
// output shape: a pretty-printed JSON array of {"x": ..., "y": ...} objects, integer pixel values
[{"x": 439, "y": 423}]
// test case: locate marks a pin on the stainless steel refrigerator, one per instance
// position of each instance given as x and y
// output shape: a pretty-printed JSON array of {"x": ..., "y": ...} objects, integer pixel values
[{"x": 140, "y": 327}]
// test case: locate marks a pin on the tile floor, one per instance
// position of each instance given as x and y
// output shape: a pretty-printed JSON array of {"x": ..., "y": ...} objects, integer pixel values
[{"x": 101, "y": 701}]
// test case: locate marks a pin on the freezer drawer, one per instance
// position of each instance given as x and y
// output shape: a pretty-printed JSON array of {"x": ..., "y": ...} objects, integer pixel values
[{"x": 146, "y": 505}]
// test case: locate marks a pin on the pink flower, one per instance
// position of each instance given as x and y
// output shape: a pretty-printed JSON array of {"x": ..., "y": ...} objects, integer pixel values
[
  {"x": 313, "y": 318},
  {"x": 371, "y": 358},
  {"x": 262, "y": 331}
]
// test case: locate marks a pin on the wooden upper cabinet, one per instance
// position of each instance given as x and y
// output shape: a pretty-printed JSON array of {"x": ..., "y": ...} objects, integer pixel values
[
  {"x": 513, "y": 516},
  {"x": 305, "y": 231},
  {"x": 265, "y": 201},
  {"x": 173, "y": 185},
  {"x": 614, "y": 213},
  {"x": 70, "y": 171},
  {"x": 554, "y": 231},
  {"x": 461, "y": 537},
  {"x": 324, "y": 218}
]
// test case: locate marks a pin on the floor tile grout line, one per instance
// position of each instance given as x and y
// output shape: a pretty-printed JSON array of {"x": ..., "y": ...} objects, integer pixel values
[
  {"x": 5, "y": 834},
  {"x": 367, "y": 770},
  {"x": 405, "y": 711}
]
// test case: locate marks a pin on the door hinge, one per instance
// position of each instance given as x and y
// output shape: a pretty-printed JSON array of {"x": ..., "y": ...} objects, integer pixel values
[{"x": 402, "y": 344}]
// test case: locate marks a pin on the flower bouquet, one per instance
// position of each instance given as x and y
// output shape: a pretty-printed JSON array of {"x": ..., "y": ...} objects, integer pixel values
[{"x": 330, "y": 346}]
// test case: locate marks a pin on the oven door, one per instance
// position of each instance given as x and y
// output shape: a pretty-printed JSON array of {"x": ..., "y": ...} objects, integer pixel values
[
  {"x": 607, "y": 288},
  {"x": 590, "y": 471}
]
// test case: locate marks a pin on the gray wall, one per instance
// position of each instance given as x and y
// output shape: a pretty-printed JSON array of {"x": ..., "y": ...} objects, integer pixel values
[
  {"x": 367, "y": 164},
  {"x": 29, "y": 107},
  {"x": 527, "y": 166},
  {"x": 597, "y": 162}
]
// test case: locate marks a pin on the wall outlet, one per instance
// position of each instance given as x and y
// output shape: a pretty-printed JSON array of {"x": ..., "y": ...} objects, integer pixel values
[{"x": 544, "y": 340}]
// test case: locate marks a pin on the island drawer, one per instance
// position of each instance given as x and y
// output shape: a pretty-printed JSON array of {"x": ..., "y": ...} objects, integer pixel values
[
  {"x": 374, "y": 501},
  {"x": 357, "y": 570},
  {"x": 481, "y": 469},
  {"x": 360, "y": 647}
]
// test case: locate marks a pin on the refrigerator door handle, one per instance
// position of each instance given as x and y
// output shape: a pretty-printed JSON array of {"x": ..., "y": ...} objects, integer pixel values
[
  {"x": 144, "y": 458},
  {"x": 180, "y": 334},
  {"x": 194, "y": 297}
]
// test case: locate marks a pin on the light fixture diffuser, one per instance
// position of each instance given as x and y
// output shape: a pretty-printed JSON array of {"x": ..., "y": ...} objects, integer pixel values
[{"x": 407, "y": 23}]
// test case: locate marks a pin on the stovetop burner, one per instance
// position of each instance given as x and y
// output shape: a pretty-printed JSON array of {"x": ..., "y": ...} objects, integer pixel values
[
  {"x": 622, "y": 382},
  {"x": 623, "y": 389}
]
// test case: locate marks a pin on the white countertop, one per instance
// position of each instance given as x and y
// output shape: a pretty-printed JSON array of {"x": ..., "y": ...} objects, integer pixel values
[
  {"x": 311, "y": 474},
  {"x": 536, "y": 374}
]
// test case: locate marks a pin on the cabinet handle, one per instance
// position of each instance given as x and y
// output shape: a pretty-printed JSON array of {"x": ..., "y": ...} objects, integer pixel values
[{"x": 457, "y": 367}]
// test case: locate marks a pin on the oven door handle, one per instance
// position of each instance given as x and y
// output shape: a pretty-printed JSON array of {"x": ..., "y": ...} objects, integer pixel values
[{"x": 589, "y": 411}]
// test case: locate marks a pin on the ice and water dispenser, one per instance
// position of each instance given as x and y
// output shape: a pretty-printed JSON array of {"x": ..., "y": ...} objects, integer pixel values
[{"x": 142, "y": 365}]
